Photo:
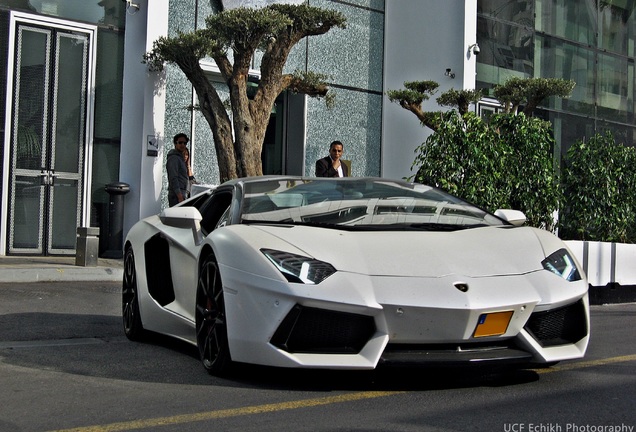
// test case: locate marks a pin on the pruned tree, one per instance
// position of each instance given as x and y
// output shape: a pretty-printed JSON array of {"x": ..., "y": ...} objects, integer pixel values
[
  {"x": 411, "y": 97},
  {"x": 416, "y": 92},
  {"x": 232, "y": 38},
  {"x": 530, "y": 92},
  {"x": 460, "y": 99},
  {"x": 503, "y": 162}
]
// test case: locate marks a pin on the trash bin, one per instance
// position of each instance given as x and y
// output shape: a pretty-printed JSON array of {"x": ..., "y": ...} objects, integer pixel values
[
  {"x": 87, "y": 246},
  {"x": 114, "y": 236}
]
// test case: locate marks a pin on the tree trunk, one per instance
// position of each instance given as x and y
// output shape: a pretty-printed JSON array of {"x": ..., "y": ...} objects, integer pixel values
[{"x": 214, "y": 112}]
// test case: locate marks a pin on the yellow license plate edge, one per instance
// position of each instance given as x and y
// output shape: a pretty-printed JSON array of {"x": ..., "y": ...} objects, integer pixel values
[{"x": 493, "y": 324}]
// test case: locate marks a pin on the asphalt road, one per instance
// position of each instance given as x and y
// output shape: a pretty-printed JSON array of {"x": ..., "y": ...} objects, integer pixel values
[{"x": 65, "y": 365}]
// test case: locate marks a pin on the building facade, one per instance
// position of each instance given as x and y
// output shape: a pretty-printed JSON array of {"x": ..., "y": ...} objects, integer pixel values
[
  {"x": 81, "y": 111},
  {"x": 591, "y": 42}
]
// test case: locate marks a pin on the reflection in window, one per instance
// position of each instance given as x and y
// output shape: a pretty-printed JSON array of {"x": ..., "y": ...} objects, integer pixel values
[
  {"x": 615, "y": 87},
  {"x": 591, "y": 42},
  {"x": 617, "y": 27},
  {"x": 573, "y": 20},
  {"x": 104, "y": 12},
  {"x": 506, "y": 50},
  {"x": 569, "y": 61}
]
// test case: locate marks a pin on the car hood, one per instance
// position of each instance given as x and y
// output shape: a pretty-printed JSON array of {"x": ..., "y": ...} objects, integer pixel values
[{"x": 476, "y": 252}]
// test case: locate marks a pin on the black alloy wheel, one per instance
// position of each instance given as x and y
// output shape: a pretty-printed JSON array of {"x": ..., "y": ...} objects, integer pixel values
[
  {"x": 210, "y": 319},
  {"x": 133, "y": 327}
]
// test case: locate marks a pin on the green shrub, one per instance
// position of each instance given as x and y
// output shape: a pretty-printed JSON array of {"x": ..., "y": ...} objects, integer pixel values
[
  {"x": 599, "y": 183},
  {"x": 535, "y": 184},
  {"x": 462, "y": 158},
  {"x": 506, "y": 163}
]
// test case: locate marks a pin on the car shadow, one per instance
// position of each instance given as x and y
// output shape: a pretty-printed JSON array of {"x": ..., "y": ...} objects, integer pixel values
[{"x": 383, "y": 378}]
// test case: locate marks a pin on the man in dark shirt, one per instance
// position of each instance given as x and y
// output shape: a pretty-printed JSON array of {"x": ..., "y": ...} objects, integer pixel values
[{"x": 332, "y": 166}]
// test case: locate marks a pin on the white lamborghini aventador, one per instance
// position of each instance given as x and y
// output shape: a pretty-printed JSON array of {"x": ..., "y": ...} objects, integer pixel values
[{"x": 351, "y": 273}]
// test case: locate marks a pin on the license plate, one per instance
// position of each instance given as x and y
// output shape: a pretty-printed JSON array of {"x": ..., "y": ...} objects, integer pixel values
[{"x": 493, "y": 324}]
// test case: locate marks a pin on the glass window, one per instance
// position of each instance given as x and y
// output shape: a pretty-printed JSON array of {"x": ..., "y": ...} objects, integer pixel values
[
  {"x": 214, "y": 209},
  {"x": 512, "y": 47},
  {"x": 107, "y": 130},
  {"x": 591, "y": 42},
  {"x": 506, "y": 50},
  {"x": 573, "y": 20},
  {"x": 106, "y": 12},
  {"x": 617, "y": 27},
  {"x": 108, "y": 84},
  {"x": 615, "y": 88},
  {"x": 572, "y": 62},
  {"x": 519, "y": 12}
]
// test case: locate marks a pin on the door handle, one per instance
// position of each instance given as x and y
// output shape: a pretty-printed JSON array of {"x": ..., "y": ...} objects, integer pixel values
[
  {"x": 47, "y": 177},
  {"x": 44, "y": 178}
]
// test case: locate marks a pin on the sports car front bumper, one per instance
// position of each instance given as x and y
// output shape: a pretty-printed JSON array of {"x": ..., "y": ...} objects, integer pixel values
[{"x": 357, "y": 321}]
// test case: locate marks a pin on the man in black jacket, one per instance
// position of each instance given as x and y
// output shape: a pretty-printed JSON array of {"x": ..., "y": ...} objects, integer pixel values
[
  {"x": 332, "y": 166},
  {"x": 177, "y": 170}
]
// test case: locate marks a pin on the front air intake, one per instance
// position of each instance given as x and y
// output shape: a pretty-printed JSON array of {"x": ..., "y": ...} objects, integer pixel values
[
  {"x": 561, "y": 326},
  {"x": 320, "y": 331}
]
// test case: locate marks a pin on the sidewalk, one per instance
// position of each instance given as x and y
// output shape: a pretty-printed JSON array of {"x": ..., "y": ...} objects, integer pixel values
[{"x": 15, "y": 269}]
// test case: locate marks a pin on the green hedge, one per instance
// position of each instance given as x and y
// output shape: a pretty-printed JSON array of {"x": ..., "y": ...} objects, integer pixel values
[
  {"x": 599, "y": 184},
  {"x": 503, "y": 163},
  {"x": 507, "y": 163}
]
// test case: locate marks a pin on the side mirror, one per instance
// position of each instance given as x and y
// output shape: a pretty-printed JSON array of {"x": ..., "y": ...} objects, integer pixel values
[
  {"x": 514, "y": 217},
  {"x": 184, "y": 217}
]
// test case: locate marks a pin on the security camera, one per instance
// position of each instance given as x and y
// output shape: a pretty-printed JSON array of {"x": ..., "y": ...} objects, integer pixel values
[{"x": 476, "y": 49}]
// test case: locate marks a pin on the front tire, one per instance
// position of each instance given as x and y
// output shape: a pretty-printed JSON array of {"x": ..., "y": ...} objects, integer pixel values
[
  {"x": 211, "y": 324},
  {"x": 133, "y": 327}
]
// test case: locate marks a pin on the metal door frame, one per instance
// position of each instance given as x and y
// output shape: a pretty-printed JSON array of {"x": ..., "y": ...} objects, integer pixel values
[{"x": 91, "y": 30}]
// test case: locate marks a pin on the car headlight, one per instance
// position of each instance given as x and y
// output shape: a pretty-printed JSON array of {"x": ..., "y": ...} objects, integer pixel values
[
  {"x": 562, "y": 264},
  {"x": 298, "y": 268}
]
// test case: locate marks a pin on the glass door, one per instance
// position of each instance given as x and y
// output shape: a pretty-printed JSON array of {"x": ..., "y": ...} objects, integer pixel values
[{"x": 49, "y": 137}]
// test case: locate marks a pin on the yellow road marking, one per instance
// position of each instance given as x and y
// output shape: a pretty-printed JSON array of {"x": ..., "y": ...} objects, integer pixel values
[
  {"x": 259, "y": 409},
  {"x": 305, "y": 403},
  {"x": 585, "y": 364}
]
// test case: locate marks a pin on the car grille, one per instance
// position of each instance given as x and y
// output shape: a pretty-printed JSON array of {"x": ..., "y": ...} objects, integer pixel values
[
  {"x": 559, "y": 326},
  {"x": 312, "y": 330}
]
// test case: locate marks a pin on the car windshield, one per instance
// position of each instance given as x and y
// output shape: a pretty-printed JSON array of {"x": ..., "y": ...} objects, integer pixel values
[{"x": 359, "y": 204}]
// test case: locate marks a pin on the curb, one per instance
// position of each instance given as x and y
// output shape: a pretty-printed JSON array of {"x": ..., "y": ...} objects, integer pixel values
[
  {"x": 57, "y": 269},
  {"x": 60, "y": 274}
]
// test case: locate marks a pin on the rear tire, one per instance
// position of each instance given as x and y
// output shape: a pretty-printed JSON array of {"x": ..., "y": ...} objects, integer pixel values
[
  {"x": 211, "y": 324},
  {"x": 133, "y": 327}
]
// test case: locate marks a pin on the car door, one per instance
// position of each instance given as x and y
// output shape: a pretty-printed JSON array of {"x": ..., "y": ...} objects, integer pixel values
[{"x": 184, "y": 252}]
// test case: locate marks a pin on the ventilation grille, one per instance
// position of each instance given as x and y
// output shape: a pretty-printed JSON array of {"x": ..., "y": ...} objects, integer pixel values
[
  {"x": 311, "y": 330},
  {"x": 559, "y": 326}
]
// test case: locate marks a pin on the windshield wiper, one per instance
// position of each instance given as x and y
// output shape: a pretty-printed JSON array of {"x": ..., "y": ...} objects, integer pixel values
[
  {"x": 427, "y": 226},
  {"x": 290, "y": 223},
  {"x": 431, "y": 226}
]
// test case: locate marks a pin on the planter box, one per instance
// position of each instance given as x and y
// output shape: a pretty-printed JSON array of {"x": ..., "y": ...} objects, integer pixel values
[{"x": 610, "y": 269}]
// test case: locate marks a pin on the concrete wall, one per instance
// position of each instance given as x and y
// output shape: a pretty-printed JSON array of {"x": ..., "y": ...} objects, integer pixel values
[
  {"x": 422, "y": 39},
  {"x": 142, "y": 113}
]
